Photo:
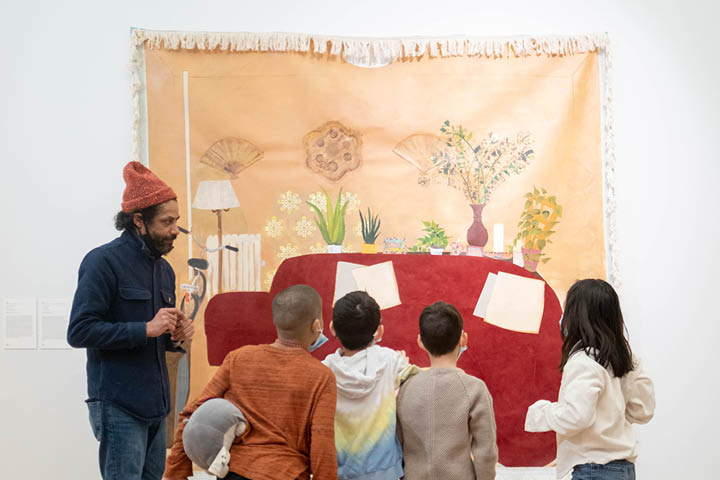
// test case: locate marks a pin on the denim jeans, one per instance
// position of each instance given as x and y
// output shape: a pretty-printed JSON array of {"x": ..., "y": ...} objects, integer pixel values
[
  {"x": 130, "y": 448},
  {"x": 615, "y": 470}
]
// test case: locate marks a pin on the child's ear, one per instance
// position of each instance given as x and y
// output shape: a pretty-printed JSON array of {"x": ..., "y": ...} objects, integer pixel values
[
  {"x": 379, "y": 333},
  {"x": 464, "y": 339},
  {"x": 332, "y": 329},
  {"x": 420, "y": 344}
]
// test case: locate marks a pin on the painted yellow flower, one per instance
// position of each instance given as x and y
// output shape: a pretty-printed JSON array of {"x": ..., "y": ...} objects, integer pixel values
[
  {"x": 274, "y": 227},
  {"x": 269, "y": 278},
  {"x": 288, "y": 251},
  {"x": 352, "y": 201},
  {"x": 318, "y": 248},
  {"x": 348, "y": 249},
  {"x": 304, "y": 227},
  {"x": 289, "y": 201},
  {"x": 318, "y": 199}
]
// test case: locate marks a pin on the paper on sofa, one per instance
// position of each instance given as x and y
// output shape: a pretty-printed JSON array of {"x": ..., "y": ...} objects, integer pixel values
[
  {"x": 380, "y": 283},
  {"x": 516, "y": 303},
  {"x": 344, "y": 280},
  {"x": 484, "y": 300}
]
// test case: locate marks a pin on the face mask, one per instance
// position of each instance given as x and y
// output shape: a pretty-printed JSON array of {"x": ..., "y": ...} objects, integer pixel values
[
  {"x": 563, "y": 331},
  {"x": 462, "y": 349},
  {"x": 321, "y": 339}
]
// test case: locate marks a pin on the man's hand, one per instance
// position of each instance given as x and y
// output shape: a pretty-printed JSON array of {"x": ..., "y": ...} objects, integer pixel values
[
  {"x": 165, "y": 321},
  {"x": 184, "y": 329}
]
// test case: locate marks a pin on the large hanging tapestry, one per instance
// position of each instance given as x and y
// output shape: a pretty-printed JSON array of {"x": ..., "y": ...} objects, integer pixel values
[{"x": 469, "y": 170}]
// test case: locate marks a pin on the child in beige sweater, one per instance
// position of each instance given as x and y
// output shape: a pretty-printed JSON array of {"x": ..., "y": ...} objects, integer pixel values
[{"x": 444, "y": 414}]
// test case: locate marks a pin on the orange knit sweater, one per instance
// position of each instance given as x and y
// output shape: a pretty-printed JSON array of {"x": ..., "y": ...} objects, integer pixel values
[{"x": 288, "y": 398}]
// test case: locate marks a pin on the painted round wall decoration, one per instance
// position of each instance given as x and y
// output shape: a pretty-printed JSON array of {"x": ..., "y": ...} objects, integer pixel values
[{"x": 333, "y": 150}]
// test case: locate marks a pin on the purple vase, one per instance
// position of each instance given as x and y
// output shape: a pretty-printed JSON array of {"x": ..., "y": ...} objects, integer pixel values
[{"x": 477, "y": 234}]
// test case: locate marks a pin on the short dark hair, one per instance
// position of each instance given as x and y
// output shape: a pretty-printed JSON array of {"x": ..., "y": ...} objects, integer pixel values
[
  {"x": 124, "y": 220},
  {"x": 593, "y": 321},
  {"x": 294, "y": 307},
  {"x": 356, "y": 317},
  {"x": 440, "y": 328}
]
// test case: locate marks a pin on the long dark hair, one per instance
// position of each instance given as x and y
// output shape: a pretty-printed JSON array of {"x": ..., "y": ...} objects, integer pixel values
[{"x": 593, "y": 321}]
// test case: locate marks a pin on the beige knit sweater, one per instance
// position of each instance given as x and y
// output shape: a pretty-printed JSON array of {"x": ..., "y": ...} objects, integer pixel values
[{"x": 444, "y": 415}]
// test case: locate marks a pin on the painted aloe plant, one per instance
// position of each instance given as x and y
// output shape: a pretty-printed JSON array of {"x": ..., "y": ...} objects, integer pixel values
[{"x": 331, "y": 224}]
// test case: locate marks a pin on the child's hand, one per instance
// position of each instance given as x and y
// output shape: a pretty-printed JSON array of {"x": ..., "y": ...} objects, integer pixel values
[{"x": 404, "y": 356}]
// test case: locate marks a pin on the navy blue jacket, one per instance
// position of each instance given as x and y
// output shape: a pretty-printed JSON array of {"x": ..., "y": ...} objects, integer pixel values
[{"x": 121, "y": 286}]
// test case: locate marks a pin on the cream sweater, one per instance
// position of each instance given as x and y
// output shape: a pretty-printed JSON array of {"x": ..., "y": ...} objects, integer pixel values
[
  {"x": 445, "y": 415},
  {"x": 594, "y": 413}
]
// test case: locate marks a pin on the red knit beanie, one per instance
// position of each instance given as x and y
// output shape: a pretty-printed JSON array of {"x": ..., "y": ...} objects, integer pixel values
[{"x": 143, "y": 188}]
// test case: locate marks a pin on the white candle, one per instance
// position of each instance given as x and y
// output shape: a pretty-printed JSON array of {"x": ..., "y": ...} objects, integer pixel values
[{"x": 498, "y": 238}]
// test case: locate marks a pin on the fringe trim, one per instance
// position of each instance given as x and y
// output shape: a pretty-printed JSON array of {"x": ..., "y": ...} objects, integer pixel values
[
  {"x": 380, "y": 51},
  {"x": 358, "y": 47},
  {"x": 609, "y": 157}
]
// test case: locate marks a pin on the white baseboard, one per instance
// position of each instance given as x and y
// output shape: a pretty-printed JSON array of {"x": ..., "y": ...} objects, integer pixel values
[
  {"x": 504, "y": 473},
  {"x": 526, "y": 473}
]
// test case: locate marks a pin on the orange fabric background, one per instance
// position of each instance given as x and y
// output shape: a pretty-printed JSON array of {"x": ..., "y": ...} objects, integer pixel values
[{"x": 274, "y": 99}]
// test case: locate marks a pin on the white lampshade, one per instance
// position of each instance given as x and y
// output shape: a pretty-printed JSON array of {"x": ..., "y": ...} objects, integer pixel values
[{"x": 215, "y": 195}]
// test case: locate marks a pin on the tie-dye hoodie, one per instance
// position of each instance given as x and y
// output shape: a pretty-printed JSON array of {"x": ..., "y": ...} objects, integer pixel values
[{"x": 365, "y": 439}]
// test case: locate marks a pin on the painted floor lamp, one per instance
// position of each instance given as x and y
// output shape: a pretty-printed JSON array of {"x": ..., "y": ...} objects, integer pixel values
[{"x": 217, "y": 196}]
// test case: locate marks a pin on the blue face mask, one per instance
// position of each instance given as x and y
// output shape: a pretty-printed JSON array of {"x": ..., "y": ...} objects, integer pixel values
[
  {"x": 563, "y": 330},
  {"x": 462, "y": 349},
  {"x": 321, "y": 339}
]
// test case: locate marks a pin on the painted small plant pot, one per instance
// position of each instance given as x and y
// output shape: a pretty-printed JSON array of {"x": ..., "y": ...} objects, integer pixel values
[
  {"x": 369, "y": 248},
  {"x": 531, "y": 258}
]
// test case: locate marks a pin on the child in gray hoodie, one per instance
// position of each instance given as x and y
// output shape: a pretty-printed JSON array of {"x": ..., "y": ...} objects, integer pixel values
[{"x": 367, "y": 377}]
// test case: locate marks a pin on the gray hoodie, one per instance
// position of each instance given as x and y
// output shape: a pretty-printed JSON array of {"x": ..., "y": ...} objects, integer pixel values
[{"x": 365, "y": 418}]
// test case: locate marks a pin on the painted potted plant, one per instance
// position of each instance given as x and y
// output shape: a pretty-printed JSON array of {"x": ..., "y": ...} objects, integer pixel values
[
  {"x": 332, "y": 224},
  {"x": 370, "y": 228},
  {"x": 476, "y": 168},
  {"x": 435, "y": 239},
  {"x": 540, "y": 215}
]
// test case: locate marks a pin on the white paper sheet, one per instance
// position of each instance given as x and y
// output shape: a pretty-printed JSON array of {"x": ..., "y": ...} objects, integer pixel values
[
  {"x": 516, "y": 303},
  {"x": 344, "y": 280},
  {"x": 20, "y": 323},
  {"x": 53, "y": 319},
  {"x": 482, "y": 303},
  {"x": 380, "y": 283}
]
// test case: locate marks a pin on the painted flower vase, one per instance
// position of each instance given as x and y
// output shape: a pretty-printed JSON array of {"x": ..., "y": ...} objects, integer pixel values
[{"x": 477, "y": 234}]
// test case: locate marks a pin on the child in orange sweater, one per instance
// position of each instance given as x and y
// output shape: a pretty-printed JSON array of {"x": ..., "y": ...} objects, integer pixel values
[{"x": 287, "y": 396}]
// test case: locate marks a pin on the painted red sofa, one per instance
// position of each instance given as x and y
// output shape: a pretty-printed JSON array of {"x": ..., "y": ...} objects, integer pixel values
[{"x": 518, "y": 368}]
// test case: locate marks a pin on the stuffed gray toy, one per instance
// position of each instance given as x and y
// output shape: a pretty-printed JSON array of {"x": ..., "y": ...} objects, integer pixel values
[{"x": 210, "y": 432}]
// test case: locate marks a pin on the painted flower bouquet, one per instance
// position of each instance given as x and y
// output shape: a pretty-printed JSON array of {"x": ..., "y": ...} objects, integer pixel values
[{"x": 477, "y": 168}]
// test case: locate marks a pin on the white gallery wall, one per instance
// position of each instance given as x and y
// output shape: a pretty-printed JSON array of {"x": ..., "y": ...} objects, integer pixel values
[{"x": 65, "y": 136}]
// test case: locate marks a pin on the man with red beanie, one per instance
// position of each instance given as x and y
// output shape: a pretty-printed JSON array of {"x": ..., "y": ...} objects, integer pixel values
[{"x": 124, "y": 314}]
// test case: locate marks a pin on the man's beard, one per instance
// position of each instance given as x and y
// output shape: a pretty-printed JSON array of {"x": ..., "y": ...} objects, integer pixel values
[{"x": 159, "y": 245}]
